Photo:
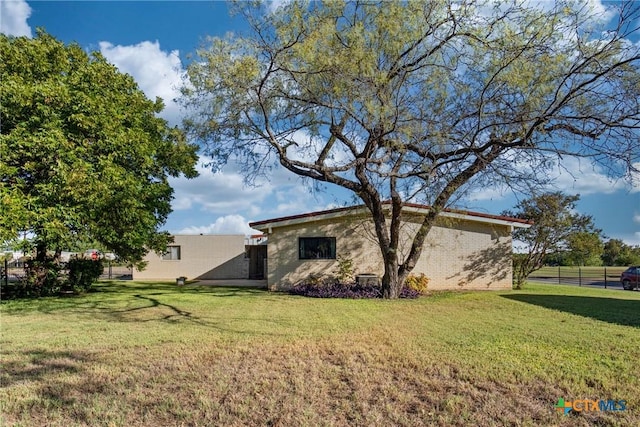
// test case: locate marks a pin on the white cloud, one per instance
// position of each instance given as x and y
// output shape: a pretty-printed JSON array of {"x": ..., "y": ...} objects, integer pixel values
[
  {"x": 274, "y": 5},
  {"x": 217, "y": 192},
  {"x": 636, "y": 218},
  {"x": 597, "y": 12},
  {"x": 584, "y": 177},
  {"x": 228, "y": 224},
  {"x": 13, "y": 18},
  {"x": 632, "y": 238},
  {"x": 572, "y": 175},
  {"x": 485, "y": 193},
  {"x": 590, "y": 11},
  {"x": 308, "y": 149},
  {"x": 635, "y": 178},
  {"x": 297, "y": 198},
  {"x": 158, "y": 73},
  {"x": 225, "y": 193}
]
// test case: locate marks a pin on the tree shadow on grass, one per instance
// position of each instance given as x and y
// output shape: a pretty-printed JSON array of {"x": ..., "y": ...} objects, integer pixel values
[
  {"x": 612, "y": 310},
  {"x": 54, "y": 381},
  {"x": 152, "y": 302},
  {"x": 35, "y": 365},
  {"x": 110, "y": 294},
  {"x": 195, "y": 288}
]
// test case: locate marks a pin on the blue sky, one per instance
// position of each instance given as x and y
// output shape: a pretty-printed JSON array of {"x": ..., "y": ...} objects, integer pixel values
[{"x": 152, "y": 40}]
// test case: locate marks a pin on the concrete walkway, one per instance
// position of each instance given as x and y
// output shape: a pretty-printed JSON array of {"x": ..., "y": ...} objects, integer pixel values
[{"x": 233, "y": 283}]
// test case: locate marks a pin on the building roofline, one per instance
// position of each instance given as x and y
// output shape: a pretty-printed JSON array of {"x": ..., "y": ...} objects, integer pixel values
[{"x": 360, "y": 209}]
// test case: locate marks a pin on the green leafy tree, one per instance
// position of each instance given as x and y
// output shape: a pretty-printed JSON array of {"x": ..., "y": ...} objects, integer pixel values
[
  {"x": 418, "y": 101},
  {"x": 616, "y": 252},
  {"x": 585, "y": 248},
  {"x": 83, "y": 155},
  {"x": 555, "y": 225}
]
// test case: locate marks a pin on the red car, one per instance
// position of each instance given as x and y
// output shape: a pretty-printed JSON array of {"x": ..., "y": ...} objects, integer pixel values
[{"x": 630, "y": 278}]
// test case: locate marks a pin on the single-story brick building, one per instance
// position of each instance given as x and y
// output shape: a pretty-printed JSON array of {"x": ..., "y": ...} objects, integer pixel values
[
  {"x": 206, "y": 257},
  {"x": 464, "y": 250}
]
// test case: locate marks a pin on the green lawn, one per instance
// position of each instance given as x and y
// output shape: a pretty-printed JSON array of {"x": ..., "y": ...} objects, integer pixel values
[{"x": 156, "y": 354}]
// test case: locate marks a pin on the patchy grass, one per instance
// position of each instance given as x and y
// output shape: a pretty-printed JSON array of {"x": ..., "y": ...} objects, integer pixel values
[{"x": 156, "y": 354}]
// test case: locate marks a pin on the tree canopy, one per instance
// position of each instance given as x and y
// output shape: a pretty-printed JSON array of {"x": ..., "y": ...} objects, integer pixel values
[
  {"x": 556, "y": 228},
  {"x": 616, "y": 252},
  {"x": 83, "y": 154},
  {"x": 419, "y": 101}
]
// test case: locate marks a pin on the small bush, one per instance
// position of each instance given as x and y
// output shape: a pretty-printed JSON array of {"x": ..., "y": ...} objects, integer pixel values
[
  {"x": 409, "y": 293},
  {"x": 417, "y": 283},
  {"x": 48, "y": 278},
  {"x": 337, "y": 290},
  {"x": 41, "y": 279},
  {"x": 344, "y": 273},
  {"x": 83, "y": 273},
  {"x": 317, "y": 280}
]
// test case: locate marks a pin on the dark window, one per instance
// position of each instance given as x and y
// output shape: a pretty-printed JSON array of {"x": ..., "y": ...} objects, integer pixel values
[
  {"x": 317, "y": 248},
  {"x": 172, "y": 253}
]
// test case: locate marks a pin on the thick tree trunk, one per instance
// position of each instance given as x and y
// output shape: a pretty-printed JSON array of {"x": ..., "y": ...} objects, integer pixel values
[
  {"x": 391, "y": 286},
  {"x": 41, "y": 252},
  {"x": 393, "y": 279}
]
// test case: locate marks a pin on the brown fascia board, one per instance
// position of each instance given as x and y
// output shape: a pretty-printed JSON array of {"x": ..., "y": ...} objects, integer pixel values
[
  {"x": 311, "y": 216},
  {"x": 316, "y": 216}
]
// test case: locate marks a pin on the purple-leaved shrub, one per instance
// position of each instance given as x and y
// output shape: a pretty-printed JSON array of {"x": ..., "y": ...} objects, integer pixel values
[{"x": 337, "y": 290}]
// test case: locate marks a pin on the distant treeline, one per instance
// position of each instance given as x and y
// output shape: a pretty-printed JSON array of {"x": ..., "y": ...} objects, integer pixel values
[{"x": 612, "y": 253}]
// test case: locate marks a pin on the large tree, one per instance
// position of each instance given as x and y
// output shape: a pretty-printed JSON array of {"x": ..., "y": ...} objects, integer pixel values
[
  {"x": 556, "y": 227},
  {"x": 585, "y": 248},
  {"x": 83, "y": 155},
  {"x": 419, "y": 101},
  {"x": 616, "y": 252}
]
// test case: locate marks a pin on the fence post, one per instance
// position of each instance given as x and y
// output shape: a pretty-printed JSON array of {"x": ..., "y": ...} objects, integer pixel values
[
  {"x": 109, "y": 269},
  {"x": 6, "y": 272},
  {"x": 559, "y": 282},
  {"x": 605, "y": 277},
  {"x": 579, "y": 276}
]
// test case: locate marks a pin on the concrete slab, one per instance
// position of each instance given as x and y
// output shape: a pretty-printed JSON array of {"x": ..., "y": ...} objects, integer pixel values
[{"x": 233, "y": 283}]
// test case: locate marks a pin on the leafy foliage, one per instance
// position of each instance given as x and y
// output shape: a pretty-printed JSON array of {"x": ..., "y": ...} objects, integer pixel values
[
  {"x": 338, "y": 290},
  {"x": 50, "y": 278},
  {"x": 83, "y": 273},
  {"x": 41, "y": 278},
  {"x": 317, "y": 280},
  {"x": 616, "y": 252},
  {"x": 418, "y": 101},
  {"x": 585, "y": 248},
  {"x": 344, "y": 272},
  {"x": 84, "y": 155},
  {"x": 417, "y": 283},
  {"x": 555, "y": 226}
]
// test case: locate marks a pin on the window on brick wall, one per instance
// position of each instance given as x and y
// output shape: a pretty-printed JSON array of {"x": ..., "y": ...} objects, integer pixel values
[
  {"x": 317, "y": 248},
  {"x": 172, "y": 253}
]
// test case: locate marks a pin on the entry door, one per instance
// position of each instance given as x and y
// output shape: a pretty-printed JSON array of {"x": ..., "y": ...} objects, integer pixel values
[{"x": 257, "y": 255}]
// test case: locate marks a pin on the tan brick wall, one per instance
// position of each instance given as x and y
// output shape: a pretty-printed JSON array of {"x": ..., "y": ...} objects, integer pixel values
[
  {"x": 202, "y": 257},
  {"x": 458, "y": 254}
]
